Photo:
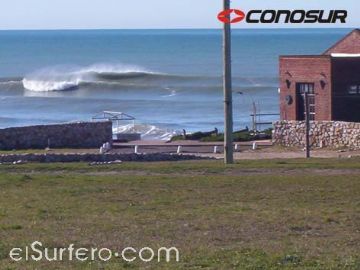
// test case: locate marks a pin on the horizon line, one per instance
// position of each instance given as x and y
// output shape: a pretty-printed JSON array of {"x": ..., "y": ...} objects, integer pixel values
[{"x": 205, "y": 28}]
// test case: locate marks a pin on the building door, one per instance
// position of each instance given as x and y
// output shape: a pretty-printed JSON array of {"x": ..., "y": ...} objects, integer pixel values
[{"x": 301, "y": 89}]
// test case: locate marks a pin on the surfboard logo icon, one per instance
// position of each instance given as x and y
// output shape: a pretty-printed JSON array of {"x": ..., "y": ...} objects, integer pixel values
[{"x": 231, "y": 16}]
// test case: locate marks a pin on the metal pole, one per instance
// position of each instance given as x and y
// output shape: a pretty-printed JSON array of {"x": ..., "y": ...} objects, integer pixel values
[
  {"x": 254, "y": 117},
  {"x": 307, "y": 120},
  {"x": 228, "y": 139}
]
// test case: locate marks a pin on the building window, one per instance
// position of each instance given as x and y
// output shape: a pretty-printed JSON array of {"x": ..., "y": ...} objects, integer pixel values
[
  {"x": 354, "y": 89},
  {"x": 301, "y": 89},
  {"x": 306, "y": 87}
]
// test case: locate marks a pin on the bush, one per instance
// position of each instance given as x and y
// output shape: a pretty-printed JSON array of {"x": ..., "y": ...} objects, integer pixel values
[{"x": 238, "y": 136}]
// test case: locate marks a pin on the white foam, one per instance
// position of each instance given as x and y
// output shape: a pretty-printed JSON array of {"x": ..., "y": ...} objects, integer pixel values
[
  {"x": 148, "y": 132},
  {"x": 64, "y": 78},
  {"x": 172, "y": 93},
  {"x": 113, "y": 68},
  {"x": 45, "y": 86}
]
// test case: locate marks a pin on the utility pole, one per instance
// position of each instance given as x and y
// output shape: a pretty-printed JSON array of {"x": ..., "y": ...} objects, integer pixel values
[
  {"x": 228, "y": 129},
  {"x": 254, "y": 128},
  {"x": 307, "y": 124}
]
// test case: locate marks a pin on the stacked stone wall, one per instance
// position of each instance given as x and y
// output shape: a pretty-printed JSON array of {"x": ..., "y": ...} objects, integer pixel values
[
  {"x": 331, "y": 134},
  {"x": 71, "y": 135}
]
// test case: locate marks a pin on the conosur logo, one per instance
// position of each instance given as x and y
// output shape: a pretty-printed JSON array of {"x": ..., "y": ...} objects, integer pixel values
[
  {"x": 225, "y": 16},
  {"x": 283, "y": 16}
]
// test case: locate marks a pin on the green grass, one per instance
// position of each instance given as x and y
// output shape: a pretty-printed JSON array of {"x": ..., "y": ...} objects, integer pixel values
[
  {"x": 279, "y": 214},
  {"x": 190, "y": 166}
]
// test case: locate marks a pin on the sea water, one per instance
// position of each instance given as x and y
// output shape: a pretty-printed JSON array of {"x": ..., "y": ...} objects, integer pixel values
[{"x": 169, "y": 80}]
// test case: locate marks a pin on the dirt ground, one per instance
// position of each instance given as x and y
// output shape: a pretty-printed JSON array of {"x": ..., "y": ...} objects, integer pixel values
[
  {"x": 265, "y": 150},
  {"x": 243, "y": 150},
  {"x": 270, "y": 153}
]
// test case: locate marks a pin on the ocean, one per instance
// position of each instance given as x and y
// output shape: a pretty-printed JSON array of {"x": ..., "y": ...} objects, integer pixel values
[{"x": 169, "y": 80}]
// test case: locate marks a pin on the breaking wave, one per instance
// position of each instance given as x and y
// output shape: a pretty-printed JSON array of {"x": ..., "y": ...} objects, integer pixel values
[
  {"x": 118, "y": 77},
  {"x": 65, "y": 78},
  {"x": 42, "y": 85}
]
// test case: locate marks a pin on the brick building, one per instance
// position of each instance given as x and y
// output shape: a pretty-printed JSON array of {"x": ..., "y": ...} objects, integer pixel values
[{"x": 332, "y": 81}]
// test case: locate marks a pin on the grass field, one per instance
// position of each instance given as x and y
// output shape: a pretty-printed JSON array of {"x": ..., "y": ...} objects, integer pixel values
[{"x": 278, "y": 214}]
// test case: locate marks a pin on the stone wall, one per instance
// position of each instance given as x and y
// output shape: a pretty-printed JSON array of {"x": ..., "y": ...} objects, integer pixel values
[
  {"x": 331, "y": 134},
  {"x": 72, "y": 135}
]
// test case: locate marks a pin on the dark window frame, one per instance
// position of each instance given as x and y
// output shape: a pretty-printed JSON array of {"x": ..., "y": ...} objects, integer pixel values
[{"x": 301, "y": 87}]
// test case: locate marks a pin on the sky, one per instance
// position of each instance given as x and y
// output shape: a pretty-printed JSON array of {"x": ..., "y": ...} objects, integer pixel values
[{"x": 148, "y": 14}]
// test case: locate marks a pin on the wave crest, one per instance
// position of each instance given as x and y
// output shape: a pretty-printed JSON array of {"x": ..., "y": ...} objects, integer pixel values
[
  {"x": 44, "y": 86},
  {"x": 100, "y": 76},
  {"x": 65, "y": 78}
]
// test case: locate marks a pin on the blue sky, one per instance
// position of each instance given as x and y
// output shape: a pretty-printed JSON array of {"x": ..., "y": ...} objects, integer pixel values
[{"x": 118, "y": 14}]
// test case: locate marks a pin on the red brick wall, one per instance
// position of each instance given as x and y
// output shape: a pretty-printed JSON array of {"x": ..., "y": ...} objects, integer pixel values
[
  {"x": 306, "y": 69},
  {"x": 350, "y": 44}
]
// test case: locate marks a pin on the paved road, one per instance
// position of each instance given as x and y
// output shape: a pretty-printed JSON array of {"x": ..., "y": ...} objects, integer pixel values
[{"x": 186, "y": 146}]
